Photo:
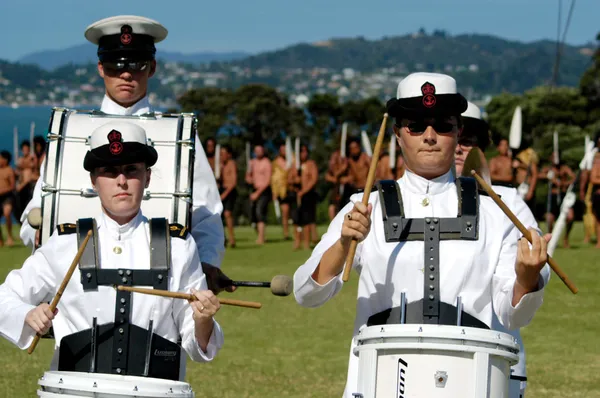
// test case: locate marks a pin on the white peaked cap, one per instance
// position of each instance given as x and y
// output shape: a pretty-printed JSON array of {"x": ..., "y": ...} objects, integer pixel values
[
  {"x": 411, "y": 85},
  {"x": 472, "y": 111},
  {"x": 130, "y": 132},
  {"x": 112, "y": 26}
]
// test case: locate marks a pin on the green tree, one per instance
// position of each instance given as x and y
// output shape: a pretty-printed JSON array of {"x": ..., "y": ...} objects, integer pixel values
[
  {"x": 213, "y": 107},
  {"x": 325, "y": 111},
  {"x": 590, "y": 85},
  {"x": 262, "y": 112}
]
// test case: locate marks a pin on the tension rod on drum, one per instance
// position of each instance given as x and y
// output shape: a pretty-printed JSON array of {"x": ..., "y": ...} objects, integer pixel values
[
  {"x": 403, "y": 307},
  {"x": 459, "y": 307}
]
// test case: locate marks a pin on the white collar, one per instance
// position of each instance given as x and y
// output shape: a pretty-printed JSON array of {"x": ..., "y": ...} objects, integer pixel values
[
  {"x": 112, "y": 108},
  {"x": 420, "y": 185},
  {"x": 121, "y": 231}
]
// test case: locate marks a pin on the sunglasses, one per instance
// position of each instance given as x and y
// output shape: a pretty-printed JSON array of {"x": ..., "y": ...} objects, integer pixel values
[
  {"x": 467, "y": 140},
  {"x": 439, "y": 126},
  {"x": 120, "y": 66}
]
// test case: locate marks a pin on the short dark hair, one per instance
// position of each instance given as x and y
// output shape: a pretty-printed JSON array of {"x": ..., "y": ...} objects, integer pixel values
[
  {"x": 213, "y": 139},
  {"x": 6, "y": 155},
  {"x": 227, "y": 148},
  {"x": 25, "y": 143}
]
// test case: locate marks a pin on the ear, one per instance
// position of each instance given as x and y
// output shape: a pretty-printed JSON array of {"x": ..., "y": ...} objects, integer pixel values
[
  {"x": 397, "y": 133},
  {"x": 100, "y": 69},
  {"x": 148, "y": 175},
  {"x": 93, "y": 180},
  {"x": 152, "y": 68}
]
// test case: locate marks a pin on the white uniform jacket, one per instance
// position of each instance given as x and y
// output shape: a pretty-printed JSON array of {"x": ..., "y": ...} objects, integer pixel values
[
  {"x": 42, "y": 273},
  {"x": 482, "y": 272},
  {"x": 207, "y": 227},
  {"x": 517, "y": 205}
]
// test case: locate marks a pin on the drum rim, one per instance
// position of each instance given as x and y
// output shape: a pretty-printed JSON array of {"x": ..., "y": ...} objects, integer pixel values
[
  {"x": 437, "y": 332},
  {"x": 50, "y": 380}
]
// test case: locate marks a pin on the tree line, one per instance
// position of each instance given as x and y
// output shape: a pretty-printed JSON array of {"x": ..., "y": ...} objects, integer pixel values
[{"x": 258, "y": 112}]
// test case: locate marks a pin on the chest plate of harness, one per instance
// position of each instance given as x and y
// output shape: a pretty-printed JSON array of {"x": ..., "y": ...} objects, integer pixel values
[{"x": 430, "y": 231}]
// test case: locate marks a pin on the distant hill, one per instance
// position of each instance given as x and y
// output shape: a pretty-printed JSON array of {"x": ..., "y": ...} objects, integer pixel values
[
  {"x": 86, "y": 53},
  {"x": 482, "y": 65},
  {"x": 501, "y": 65}
]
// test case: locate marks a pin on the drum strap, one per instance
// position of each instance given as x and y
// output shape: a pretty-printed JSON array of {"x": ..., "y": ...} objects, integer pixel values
[
  {"x": 431, "y": 231},
  {"x": 89, "y": 259}
]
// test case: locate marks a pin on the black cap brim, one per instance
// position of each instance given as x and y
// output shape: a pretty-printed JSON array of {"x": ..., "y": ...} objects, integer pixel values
[
  {"x": 133, "y": 152},
  {"x": 445, "y": 104}
]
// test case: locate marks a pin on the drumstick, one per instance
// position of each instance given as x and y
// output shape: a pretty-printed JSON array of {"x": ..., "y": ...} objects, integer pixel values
[
  {"x": 523, "y": 230},
  {"x": 187, "y": 296},
  {"x": 63, "y": 286},
  {"x": 366, "y": 194}
]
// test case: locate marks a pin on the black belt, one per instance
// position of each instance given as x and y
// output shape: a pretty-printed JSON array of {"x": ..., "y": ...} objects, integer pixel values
[{"x": 414, "y": 315}]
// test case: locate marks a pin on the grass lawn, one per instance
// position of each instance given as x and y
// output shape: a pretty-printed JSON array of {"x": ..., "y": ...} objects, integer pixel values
[{"x": 284, "y": 350}]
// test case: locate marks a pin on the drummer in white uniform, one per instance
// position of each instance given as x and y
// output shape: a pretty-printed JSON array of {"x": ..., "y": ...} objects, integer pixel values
[
  {"x": 119, "y": 163},
  {"x": 475, "y": 133},
  {"x": 126, "y": 60},
  {"x": 488, "y": 267}
]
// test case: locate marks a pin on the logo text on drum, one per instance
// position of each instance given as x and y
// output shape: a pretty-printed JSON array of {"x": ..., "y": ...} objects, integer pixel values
[{"x": 402, "y": 366}]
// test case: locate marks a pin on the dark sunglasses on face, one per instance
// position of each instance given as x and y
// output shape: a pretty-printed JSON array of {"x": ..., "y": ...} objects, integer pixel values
[
  {"x": 440, "y": 126},
  {"x": 122, "y": 66},
  {"x": 468, "y": 140}
]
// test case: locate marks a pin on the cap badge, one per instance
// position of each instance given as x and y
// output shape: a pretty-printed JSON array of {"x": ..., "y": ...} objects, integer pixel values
[
  {"x": 116, "y": 146},
  {"x": 126, "y": 36},
  {"x": 428, "y": 91}
]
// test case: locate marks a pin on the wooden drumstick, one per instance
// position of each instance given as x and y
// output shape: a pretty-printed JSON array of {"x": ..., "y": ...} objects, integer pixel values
[
  {"x": 366, "y": 194},
  {"x": 523, "y": 230},
  {"x": 63, "y": 286},
  {"x": 187, "y": 296}
]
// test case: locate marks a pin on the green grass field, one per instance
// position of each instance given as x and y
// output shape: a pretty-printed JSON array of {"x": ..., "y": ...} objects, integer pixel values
[{"x": 284, "y": 350}]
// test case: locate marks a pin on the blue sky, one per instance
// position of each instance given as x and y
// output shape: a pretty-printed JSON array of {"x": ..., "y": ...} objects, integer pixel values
[{"x": 256, "y": 25}]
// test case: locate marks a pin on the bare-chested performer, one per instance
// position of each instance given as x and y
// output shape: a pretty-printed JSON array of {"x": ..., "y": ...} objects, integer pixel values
[
  {"x": 526, "y": 167},
  {"x": 501, "y": 170},
  {"x": 25, "y": 171},
  {"x": 595, "y": 181},
  {"x": 7, "y": 187},
  {"x": 337, "y": 168},
  {"x": 280, "y": 188},
  {"x": 39, "y": 149},
  {"x": 585, "y": 196},
  {"x": 259, "y": 176},
  {"x": 306, "y": 214},
  {"x": 228, "y": 189},
  {"x": 563, "y": 176},
  {"x": 210, "y": 148},
  {"x": 358, "y": 169},
  {"x": 384, "y": 171}
]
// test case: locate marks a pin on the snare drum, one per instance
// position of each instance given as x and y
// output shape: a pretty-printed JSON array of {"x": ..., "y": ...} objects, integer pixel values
[
  {"x": 75, "y": 384},
  {"x": 433, "y": 361},
  {"x": 67, "y": 193}
]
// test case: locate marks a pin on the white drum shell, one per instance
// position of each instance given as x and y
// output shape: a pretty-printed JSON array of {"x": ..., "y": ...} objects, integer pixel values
[
  {"x": 433, "y": 361},
  {"x": 99, "y": 385},
  {"x": 169, "y": 194}
]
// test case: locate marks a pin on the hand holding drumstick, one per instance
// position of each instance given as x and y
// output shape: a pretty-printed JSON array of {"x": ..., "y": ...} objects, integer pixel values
[
  {"x": 539, "y": 242},
  {"x": 40, "y": 318}
]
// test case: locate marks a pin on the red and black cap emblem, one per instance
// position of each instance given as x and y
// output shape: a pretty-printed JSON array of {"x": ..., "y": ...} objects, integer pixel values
[
  {"x": 428, "y": 91},
  {"x": 115, "y": 141},
  {"x": 126, "y": 35}
]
